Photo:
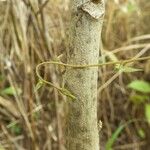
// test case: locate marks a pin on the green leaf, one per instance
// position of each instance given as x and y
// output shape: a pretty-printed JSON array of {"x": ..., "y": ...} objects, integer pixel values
[
  {"x": 67, "y": 93},
  {"x": 38, "y": 85},
  {"x": 114, "y": 137},
  {"x": 141, "y": 133},
  {"x": 138, "y": 99},
  {"x": 122, "y": 68},
  {"x": 147, "y": 112},
  {"x": 16, "y": 129},
  {"x": 139, "y": 85},
  {"x": 11, "y": 91},
  {"x": 131, "y": 7},
  {"x": 36, "y": 116}
]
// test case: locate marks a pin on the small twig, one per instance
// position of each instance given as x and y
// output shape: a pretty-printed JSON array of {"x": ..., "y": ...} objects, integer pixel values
[
  {"x": 42, "y": 7},
  {"x": 131, "y": 145}
]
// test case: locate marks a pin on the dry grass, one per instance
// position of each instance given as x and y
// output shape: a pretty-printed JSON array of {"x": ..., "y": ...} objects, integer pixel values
[{"x": 33, "y": 31}]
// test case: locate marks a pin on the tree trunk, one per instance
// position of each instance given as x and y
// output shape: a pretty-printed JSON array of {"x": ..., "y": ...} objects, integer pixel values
[{"x": 84, "y": 44}]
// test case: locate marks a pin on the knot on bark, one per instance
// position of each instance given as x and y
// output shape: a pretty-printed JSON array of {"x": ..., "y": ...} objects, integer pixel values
[{"x": 94, "y": 8}]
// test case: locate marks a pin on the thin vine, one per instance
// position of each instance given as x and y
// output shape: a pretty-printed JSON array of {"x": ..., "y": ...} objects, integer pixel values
[{"x": 65, "y": 91}]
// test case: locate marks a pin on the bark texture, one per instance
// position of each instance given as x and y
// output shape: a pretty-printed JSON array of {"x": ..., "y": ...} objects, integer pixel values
[{"x": 84, "y": 44}]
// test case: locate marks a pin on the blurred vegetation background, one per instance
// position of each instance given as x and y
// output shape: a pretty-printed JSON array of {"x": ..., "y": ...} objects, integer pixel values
[{"x": 33, "y": 31}]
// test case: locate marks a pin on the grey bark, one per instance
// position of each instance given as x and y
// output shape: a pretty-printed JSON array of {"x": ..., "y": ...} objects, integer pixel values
[{"x": 84, "y": 43}]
